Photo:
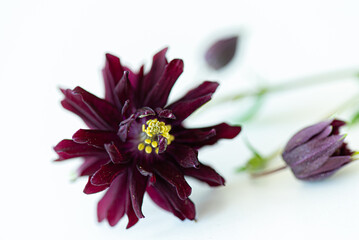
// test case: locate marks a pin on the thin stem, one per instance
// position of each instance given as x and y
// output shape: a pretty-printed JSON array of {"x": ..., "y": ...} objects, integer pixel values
[
  {"x": 265, "y": 173},
  {"x": 295, "y": 84}
]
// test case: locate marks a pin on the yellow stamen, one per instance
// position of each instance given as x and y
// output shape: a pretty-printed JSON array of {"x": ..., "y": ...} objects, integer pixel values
[
  {"x": 148, "y": 149},
  {"x": 154, "y": 144},
  {"x": 141, "y": 146},
  {"x": 154, "y": 130}
]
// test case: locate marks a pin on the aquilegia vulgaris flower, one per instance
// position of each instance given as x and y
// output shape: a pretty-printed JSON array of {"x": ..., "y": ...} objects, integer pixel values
[
  {"x": 318, "y": 151},
  {"x": 137, "y": 143}
]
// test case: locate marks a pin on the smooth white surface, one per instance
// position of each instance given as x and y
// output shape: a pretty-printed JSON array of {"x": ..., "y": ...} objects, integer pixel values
[{"x": 47, "y": 44}]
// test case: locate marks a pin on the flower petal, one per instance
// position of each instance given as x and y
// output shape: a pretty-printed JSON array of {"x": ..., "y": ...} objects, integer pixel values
[
  {"x": 173, "y": 176},
  {"x": 329, "y": 167},
  {"x": 113, "y": 204},
  {"x": 123, "y": 90},
  {"x": 183, "y": 206},
  {"x": 162, "y": 201},
  {"x": 107, "y": 173},
  {"x": 336, "y": 125},
  {"x": 124, "y": 127},
  {"x": 145, "y": 112},
  {"x": 91, "y": 165},
  {"x": 160, "y": 91},
  {"x": 114, "y": 153},
  {"x": 165, "y": 113},
  {"x": 199, "y": 137},
  {"x": 206, "y": 174},
  {"x": 112, "y": 73},
  {"x": 137, "y": 186},
  {"x": 105, "y": 112},
  {"x": 74, "y": 104},
  {"x": 159, "y": 63},
  {"x": 305, "y": 134},
  {"x": 132, "y": 218},
  {"x": 96, "y": 138},
  {"x": 136, "y": 80},
  {"x": 193, "y": 100},
  {"x": 185, "y": 156},
  {"x": 67, "y": 149},
  {"x": 90, "y": 189}
]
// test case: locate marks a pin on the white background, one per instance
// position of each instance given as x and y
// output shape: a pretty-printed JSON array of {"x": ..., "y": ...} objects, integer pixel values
[{"x": 49, "y": 44}]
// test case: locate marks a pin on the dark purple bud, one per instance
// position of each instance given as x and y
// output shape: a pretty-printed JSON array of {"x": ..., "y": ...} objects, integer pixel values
[
  {"x": 221, "y": 52},
  {"x": 318, "y": 151}
]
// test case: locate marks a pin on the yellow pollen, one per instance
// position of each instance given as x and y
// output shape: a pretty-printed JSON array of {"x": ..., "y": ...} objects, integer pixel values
[
  {"x": 154, "y": 144},
  {"x": 148, "y": 149},
  {"x": 141, "y": 146},
  {"x": 153, "y": 131}
]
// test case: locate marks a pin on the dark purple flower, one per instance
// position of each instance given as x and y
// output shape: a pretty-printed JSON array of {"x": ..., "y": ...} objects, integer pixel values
[
  {"x": 137, "y": 143},
  {"x": 221, "y": 52},
  {"x": 318, "y": 151}
]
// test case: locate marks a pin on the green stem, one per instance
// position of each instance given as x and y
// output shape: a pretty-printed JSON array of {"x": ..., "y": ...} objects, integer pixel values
[
  {"x": 295, "y": 84},
  {"x": 265, "y": 173}
]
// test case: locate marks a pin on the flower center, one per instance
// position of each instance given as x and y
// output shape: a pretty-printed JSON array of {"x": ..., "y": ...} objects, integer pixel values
[{"x": 152, "y": 133}]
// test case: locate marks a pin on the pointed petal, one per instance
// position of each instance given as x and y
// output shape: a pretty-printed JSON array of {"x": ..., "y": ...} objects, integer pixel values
[
  {"x": 193, "y": 100},
  {"x": 173, "y": 176},
  {"x": 204, "y": 88},
  {"x": 305, "y": 134},
  {"x": 90, "y": 189},
  {"x": 91, "y": 165},
  {"x": 332, "y": 165},
  {"x": 162, "y": 202},
  {"x": 158, "y": 95},
  {"x": 199, "y": 137},
  {"x": 118, "y": 208},
  {"x": 96, "y": 138},
  {"x": 105, "y": 112},
  {"x": 206, "y": 174},
  {"x": 336, "y": 124},
  {"x": 107, "y": 173},
  {"x": 112, "y": 73},
  {"x": 123, "y": 89},
  {"x": 158, "y": 66},
  {"x": 114, "y": 153},
  {"x": 185, "y": 207},
  {"x": 67, "y": 149},
  {"x": 125, "y": 127},
  {"x": 112, "y": 205},
  {"x": 137, "y": 188},
  {"x": 185, "y": 156},
  {"x": 124, "y": 111},
  {"x": 75, "y": 104},
  {"x": 132, "y": 218}
]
